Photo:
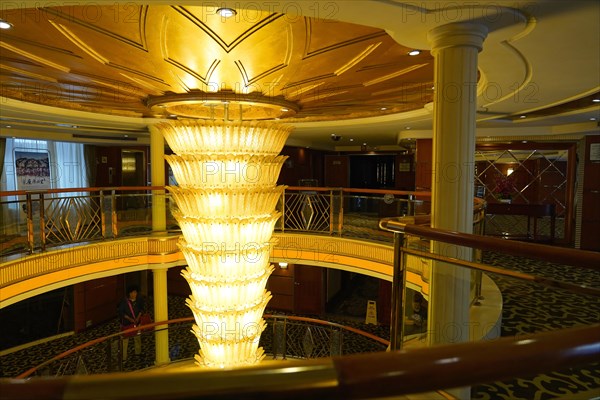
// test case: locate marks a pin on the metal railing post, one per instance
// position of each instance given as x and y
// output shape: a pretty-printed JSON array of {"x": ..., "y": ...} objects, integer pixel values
[
  {"x": 284, "y": 338},
  {"x": 398, "y": 294},
  {"x": 477, "y": 257},
  {"x": 331, "y": 210},
  {"x": 30, "y": 236},
  {"x": 102, "y": 214},
  {"x": 282, "y": 198},
  {"x": 341, "y": 216},
  {"x": 42, "y": 222},
  {"x": 478, "y": 285},
  {"x": 113, "y": 206},
  {"x": 411, "y": 205}
]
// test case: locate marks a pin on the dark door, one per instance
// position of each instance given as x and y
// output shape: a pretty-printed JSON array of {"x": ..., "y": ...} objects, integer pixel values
[
  {"x": 308, "y": 290},
  {"x": 372, "y": 171},
  {"x": 336, "y": 171}
]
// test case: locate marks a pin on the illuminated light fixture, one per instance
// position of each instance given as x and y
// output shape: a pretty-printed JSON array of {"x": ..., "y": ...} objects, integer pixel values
[
  {"x": 5, "y": 25},
  {"x": 509, "y": 171},
  {"x": 591, "y": 119},
  {"x": 285, "y": 110},
  {"x": 226, "y": 12},
  {"x": 596, "y": 100},
  {"x": 522, "y": 116},
  {"x": 283, "y": 265},
  {"x": 414, "y": 52},
  {"x": 226, "y": 199}
]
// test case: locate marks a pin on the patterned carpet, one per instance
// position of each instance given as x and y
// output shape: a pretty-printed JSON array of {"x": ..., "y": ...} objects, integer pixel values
[{"x": 528, "y": 308}]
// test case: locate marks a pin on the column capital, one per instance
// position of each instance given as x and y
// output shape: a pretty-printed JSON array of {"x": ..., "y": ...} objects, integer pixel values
[{"x": 457, "y": 34}]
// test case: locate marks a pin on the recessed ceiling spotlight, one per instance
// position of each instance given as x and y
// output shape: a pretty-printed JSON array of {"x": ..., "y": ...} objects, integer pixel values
[
  {"x": 285, "y": 110},
  {"x": 226, "y": 12},
  {"x": 5, "y": 25},
  {"x": 591, "y": 119},
  {"x": 383, "y": 108},
  {"x": 365, "y": 143},
  {"x": 352, "y": 140},
  {"x": 9, "y": 126},
  {"x": 522, "y": 116},
  {"x": 407, "y": 127},
  {"x": 524, "y": 141},
  {"x": 125, "y": 135},
  {"x": 414, "y": 52},
  {"x": 596, "y": 100}
]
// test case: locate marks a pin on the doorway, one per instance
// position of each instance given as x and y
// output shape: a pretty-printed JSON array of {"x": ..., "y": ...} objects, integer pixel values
[{"x": 133, "y": 173}]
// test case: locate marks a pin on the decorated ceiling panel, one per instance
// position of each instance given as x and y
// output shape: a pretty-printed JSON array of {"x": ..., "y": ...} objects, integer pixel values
[{"x": 116, "y": 59}]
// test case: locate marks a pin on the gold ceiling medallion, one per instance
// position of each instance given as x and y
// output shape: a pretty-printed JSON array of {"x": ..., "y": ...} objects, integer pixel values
[{"x": 223, "y": 105}]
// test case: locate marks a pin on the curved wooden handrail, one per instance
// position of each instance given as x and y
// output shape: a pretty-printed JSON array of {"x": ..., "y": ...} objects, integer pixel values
[
  {"x": 147, "y": 188},
  {"x": 312, "y": 188},
  {"x": 333, "y": 324},
  {"x": 549, "y": 282},
  {"x": 465, "y": 364},
  {"x": 554, "y": 254},
  {"x": 153, "y": 325},
  {"x": 77, "y": 190},
  {"x": 387, "y": 191},
  {"x": 362, "y": 376},
  {"x": 93, "y": 342}
]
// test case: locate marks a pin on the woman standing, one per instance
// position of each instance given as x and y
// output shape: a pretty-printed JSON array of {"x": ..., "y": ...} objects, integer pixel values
[{"x": 130, "y": 312}]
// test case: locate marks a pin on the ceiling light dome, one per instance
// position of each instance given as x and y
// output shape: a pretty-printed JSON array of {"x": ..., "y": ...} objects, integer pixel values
[
  {"x": 226, "y": 12},
  {"x": 5, "y": 25}
]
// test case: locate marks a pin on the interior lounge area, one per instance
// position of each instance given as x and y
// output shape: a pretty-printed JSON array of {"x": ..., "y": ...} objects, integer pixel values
[{"x": 341, "y": 200}]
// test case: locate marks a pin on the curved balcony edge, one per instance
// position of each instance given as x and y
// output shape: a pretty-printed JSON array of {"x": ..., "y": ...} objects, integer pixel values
[{"x": 31, "y": 275}]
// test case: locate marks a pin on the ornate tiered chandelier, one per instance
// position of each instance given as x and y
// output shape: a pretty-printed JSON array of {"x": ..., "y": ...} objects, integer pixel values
[{"x": 226, "y": 198}]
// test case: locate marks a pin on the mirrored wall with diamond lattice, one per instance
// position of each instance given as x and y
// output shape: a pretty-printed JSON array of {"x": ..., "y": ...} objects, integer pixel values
[{"x": 529, "y": 188}]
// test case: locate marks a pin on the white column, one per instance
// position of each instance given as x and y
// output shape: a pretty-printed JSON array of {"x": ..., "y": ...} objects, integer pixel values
[
  {"x": 161, "y": 335},
  {"x": 455, "y": 48},
  {"x": 157, "y": 162}
]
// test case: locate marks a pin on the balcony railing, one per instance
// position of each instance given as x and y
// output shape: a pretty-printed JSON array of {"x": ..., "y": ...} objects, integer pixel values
[
  {"x": 286, "y": 337},
  {"x": 37, "y": 220},
  {"x": 396, "y": 372}
]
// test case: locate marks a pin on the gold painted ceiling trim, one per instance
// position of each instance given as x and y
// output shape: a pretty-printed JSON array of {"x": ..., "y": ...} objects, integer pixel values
[
  {"x": 28, "y": 73},
  {"x": 361, "y": 56},
  {"x": 79, "y": 43},
  {"x": 33, "y": 57},
  {"x": 394, "y": 74}
]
